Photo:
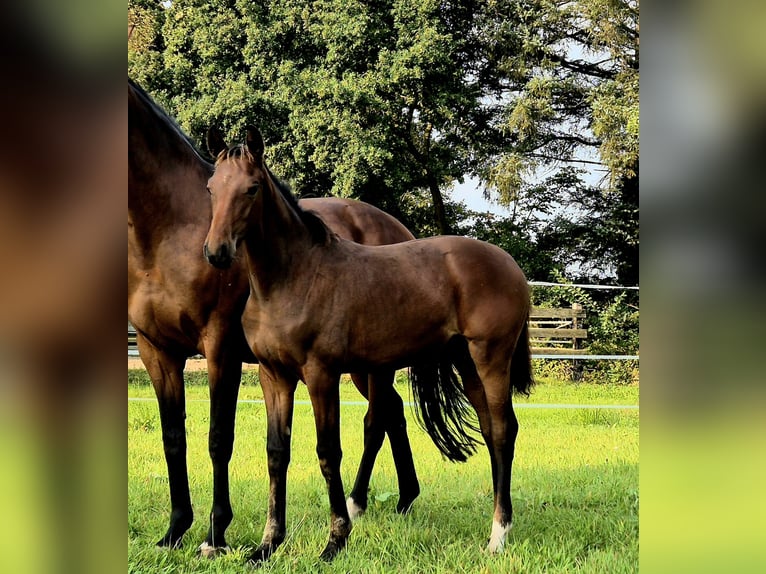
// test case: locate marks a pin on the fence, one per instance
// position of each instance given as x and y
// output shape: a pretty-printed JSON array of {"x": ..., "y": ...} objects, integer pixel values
[
  {"x": 572, "y": 350},
  {"x": 555, "y": 333}
]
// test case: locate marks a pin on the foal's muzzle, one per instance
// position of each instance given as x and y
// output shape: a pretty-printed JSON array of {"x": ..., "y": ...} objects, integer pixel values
[{"x": 221, "y": 258}]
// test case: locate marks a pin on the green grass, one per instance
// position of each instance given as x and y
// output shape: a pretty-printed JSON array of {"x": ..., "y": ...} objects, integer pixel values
[{"x": 575, "y": 491}]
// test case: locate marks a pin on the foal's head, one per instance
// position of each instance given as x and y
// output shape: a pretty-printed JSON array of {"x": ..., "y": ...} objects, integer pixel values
[{"x": 239, "y": 175}]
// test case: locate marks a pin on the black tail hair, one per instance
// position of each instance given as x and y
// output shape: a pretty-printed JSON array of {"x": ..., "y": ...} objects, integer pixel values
[
  {"x": 521, "y": 364},
  {"x": 443, "y": 410}
]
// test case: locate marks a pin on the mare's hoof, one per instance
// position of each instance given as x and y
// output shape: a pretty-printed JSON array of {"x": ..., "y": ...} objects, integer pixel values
[
  {"x": 169, "y": 541},
  {"x": 206, "y": 550},
  {"x": 404, "y": 506},
  {"x": 180, "y": 522},
  {"x": 406, "y": 500}
]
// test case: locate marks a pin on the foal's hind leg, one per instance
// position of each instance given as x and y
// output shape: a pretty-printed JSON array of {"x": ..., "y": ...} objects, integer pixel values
[
  {"x": 487, "y": 384},
  {"x": 166, "y": 372},
  {"x": 385, "y": 413}
]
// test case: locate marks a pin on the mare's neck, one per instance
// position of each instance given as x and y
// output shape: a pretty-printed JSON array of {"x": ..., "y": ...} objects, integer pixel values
[{"x": 166, "y": 181}]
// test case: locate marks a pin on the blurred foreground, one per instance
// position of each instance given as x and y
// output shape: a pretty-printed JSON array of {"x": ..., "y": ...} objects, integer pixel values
[
  {"x": 63, "y": 193},
  {"x": 703, "y": 104}
]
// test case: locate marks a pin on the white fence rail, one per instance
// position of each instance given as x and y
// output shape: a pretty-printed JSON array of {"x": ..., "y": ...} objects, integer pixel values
[{"x": 539, "y": 353}]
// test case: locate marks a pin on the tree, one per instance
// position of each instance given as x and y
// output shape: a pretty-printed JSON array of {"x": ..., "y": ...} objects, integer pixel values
[
  {"x": 393, "y": 102},
  {"x": 572, "y": 93},
  {"x": 356, "y": 98},
  {"x": 145, "y": 42}
]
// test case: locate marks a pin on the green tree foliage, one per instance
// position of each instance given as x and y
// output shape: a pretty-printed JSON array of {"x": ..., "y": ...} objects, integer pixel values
[
  {"x": 356, "y": 98},
  {"x": 573, "y": 85},
  {"x": 393, "y": 102},
  {"x": 572, "y": 96}
]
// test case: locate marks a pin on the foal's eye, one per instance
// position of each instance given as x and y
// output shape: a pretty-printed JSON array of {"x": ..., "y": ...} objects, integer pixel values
[{"x": 253, "y": 189}]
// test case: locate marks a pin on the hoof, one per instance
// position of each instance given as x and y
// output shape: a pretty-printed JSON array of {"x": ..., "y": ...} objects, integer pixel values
[
  {"x": 407, "y": 498},
  {"x": 206, "y": 550},
  {"x": 331, "y": 550},
  {"x": 404, "y": 506},
  {"x": 354, "y": 510},
  {"x": 169, "y": 541},
  {"x": 261, "y": 554}
]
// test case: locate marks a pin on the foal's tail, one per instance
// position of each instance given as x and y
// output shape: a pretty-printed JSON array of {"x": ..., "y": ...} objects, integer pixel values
[
  {"x": 442, "y": 407},
  {"x": 443, "y": 410},
  {"x": 521, "y": 363}
]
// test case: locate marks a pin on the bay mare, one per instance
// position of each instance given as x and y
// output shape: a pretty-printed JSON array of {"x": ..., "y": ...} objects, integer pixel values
[
  {"x": 320, "y": 305},
  {"x": 181, "y": 306}
]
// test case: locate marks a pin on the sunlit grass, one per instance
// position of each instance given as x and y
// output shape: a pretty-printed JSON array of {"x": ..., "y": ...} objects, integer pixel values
[{"x": 575, "y": 491}]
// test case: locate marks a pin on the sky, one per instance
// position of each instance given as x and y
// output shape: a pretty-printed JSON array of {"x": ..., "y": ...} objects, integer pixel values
[{"x": 472, "y": 194}]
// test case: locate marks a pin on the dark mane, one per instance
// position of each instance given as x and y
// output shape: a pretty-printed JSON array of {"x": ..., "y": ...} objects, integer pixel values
[
  {"x": 164, "y": 119},
  {"x": 318, "y": 229}
]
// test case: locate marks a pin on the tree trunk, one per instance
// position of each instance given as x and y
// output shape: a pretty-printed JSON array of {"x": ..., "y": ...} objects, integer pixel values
[
  {"x": 440, "y": 215},
  {"x": 627, "y": 266}
]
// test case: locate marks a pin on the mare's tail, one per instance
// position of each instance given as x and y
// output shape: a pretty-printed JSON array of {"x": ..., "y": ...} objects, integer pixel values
[
  {"x": 443, "y": 410},
  {"x": 521, "y": 363}
]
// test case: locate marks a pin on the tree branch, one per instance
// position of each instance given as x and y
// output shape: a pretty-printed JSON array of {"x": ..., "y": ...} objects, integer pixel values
[
  {"x": 551, "y": 158},
  {"x": 583, "y": 67}
]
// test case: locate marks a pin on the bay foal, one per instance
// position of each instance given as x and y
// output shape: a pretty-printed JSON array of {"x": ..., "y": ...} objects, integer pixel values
[
  {"x": 320, "y": 306},
  {"x": 180, "y": 306}
]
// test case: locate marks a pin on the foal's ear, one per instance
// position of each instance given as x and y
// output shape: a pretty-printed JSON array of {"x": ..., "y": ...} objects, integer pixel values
[
  {"x": 255, "y": 142},
  {"x": 215, "y": 142}
]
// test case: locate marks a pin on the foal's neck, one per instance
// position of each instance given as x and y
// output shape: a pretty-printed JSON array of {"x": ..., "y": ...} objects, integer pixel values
[{"x": 278, "y": 242}]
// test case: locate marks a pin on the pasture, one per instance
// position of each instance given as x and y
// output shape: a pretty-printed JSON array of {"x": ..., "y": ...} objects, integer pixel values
[{"x": 575, "y": 489}]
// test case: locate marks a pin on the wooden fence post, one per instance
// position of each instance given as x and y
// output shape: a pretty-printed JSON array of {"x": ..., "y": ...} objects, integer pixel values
[{"x": 576, "y": 365}]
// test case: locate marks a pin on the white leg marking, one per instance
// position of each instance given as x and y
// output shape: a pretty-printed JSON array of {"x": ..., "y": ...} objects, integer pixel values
[
  {"x": 497, "y": 538},
  {"x": 207, "y": 551},
  {"x": 354, "y": 510}
]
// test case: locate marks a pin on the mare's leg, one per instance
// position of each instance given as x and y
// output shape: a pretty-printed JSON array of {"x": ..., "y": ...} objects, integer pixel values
[
  {"x": 385, "y": 414},
  {"x": 224, "y": 375},
  {"x": 278, "y": 394},
  {"x": 166, "y": 372},
  {"x": 493, "y": 369},
  {"x": 396, "y": 427},
  {"x": 325, "y": 400}
]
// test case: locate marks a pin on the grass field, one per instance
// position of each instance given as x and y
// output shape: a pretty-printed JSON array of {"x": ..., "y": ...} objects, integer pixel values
[{"x": 575, "y": 491}]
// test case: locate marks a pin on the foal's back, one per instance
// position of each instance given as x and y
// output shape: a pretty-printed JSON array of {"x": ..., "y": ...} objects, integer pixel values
[{"x": 393, "y": 302}]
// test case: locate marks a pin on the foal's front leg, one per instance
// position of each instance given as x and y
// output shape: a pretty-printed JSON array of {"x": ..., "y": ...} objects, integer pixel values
[
  {"x": 224, "y": 374},
  {"x": 325, "y": 400},
  {"x": 278, "y": 394}
]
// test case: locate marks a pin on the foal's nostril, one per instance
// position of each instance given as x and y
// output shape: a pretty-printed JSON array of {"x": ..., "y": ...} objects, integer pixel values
[{"x": 220, "y": 259}]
